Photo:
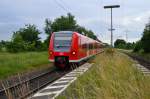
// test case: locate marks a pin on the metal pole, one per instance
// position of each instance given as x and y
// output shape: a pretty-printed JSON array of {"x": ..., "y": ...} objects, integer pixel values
[
  {"x": 111, "y": 42},
  {"x": 111, "y": 29}
]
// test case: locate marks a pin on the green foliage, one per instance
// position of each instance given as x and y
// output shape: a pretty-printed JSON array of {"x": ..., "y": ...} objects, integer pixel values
[
  {"x": 86, "y": 32},
  {"x": 48, "y": 31},
  {"x": 29, "y": 33},
  {"x": 130, "y": 45},
  {"x": 109, "y": 78},
  {"x": 3, "y": 45},
  {"x": 48, "y": 28},
  {"x": 144, "y": 43},
  {"x": 65, "y": 23},
  {"x": 14, "y": 63},
  {"x": 18, "y": 43},
  {"x": 146, "y": 38},
  {"x": 26, "y": 39},
  {"x": 141, "y": 46},
  {"x": 119, "y": 43},
  {"x": 138, "y": 46},
  {"x": 122, "y": 44}
]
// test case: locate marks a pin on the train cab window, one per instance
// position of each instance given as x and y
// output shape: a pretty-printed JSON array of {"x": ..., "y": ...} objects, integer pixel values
[{"x": 62, "y": 41}]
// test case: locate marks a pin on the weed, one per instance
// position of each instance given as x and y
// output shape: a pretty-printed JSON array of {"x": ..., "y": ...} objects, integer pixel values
[
  {"x": 11, "y": 64},
  {"x": 110, "y": 78}
]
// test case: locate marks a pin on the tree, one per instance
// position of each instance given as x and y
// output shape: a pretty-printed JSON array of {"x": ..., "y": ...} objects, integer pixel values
[
  {"x": 29, "y": 33},
  {"x": 3, "y": 45},
  {"x": 80, "y": 29},
  {"x": 25, "y": 39},
  {"x": 17, "y": 44},
  {"x": 130, "y": 45},
  {"x": 64, "y": 23},
  {"x": 48, "y": 31},
  {"x": 90, "y": 34},
  {"x": 48, "y": 28},
  {"x": 138, "y": 46},
  {"x": 145, "y": 40},
  {"x": 119, "y": 43},
  {"x": 86, "y": 32}
]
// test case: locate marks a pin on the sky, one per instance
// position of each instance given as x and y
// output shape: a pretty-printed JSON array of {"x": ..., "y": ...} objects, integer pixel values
[{"x": 128, "y": 21}]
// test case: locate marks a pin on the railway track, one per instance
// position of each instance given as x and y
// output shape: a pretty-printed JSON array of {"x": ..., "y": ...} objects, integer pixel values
[
  {"x": 59, "y": 86},
  {"x": 24, "y": 88},
  {"x": 141, "y": 60},
  {"x": 143, "y": 64}
]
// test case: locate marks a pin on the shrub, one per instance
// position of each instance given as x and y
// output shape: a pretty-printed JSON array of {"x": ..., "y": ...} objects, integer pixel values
[
  {"x": 146, "y": 39},
  {"x": 138, "y": 46}
]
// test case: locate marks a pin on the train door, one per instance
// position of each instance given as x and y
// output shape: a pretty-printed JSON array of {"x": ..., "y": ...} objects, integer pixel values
[
  {"x": 79, "y": 48},
  {"x": 87, "y": 49}
]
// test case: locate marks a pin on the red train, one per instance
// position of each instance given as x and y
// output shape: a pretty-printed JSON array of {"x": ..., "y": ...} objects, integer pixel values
[{"x": 71, "y": 47}]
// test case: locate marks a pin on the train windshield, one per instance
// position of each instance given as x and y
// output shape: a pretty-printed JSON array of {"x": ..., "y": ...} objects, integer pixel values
[{"x": 62, "y": 41}]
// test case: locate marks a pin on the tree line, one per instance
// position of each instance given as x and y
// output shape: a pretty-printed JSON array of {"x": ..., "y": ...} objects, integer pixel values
[
  {"x": 27, "y": 38},
  {"x": 141, "y": 46},
  {"x": 122, "y": 44}
]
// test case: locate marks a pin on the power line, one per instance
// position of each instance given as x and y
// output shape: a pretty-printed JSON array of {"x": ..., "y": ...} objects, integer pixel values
[
  {"x": 99, "y": 2},
  {"x": 61, "y": 6},
  {"x": 126, "y": 31},
  {"x": 65, "y": 5}
]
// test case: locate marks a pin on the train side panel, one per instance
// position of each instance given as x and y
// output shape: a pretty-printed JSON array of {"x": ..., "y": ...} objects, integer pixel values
[
  {"x": 51, "y": 48},
  {"x": 74, "y": 52}
]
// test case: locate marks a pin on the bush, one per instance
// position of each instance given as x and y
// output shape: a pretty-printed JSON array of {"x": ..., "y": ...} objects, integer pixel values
[
  {"x": 3, "y": 46},
  {"x": 26, "y": 39},
  {"x": 119, "y": 43},
  {"x": 146, "y": 39},
  {"x": 138, "y": 46},
  {"x": 130, "y": 45},
  {"x": 15, "y": 47}
]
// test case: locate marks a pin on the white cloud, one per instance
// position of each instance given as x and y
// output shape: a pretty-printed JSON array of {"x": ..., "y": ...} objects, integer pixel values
[
  {"x": 141, "y": 18},
  {"x": 89, "y": 13}
]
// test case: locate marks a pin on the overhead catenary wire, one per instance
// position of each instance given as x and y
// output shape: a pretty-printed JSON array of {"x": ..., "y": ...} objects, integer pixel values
[
  {"x": 61, "y": 6},
  {"x": 64, "y": 3},
  {"x": 100, "y": 34}
]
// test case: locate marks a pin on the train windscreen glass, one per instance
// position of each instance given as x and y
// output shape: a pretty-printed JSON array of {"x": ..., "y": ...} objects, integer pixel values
[{"x": 62, "y": 42}]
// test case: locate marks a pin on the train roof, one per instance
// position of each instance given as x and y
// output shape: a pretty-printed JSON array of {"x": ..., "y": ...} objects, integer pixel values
[
  {"x": 78, "y": 34},
  {"x": 64, "y": 32}
]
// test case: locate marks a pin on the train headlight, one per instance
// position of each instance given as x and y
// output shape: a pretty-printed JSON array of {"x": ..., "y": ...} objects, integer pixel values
[
  {"x": 50, "y": 52},
  {"x": 73, "y": 52}
]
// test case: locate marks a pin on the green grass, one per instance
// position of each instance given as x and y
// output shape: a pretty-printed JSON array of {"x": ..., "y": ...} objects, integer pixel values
[
  {"x": 11, "y": 64},
  {"x": 111, "y": 77}
]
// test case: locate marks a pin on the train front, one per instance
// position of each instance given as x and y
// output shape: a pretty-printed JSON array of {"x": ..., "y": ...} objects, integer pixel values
[{"x": 60, "y": 49}]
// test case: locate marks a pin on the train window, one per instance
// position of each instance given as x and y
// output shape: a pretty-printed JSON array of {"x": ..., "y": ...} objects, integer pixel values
[
  {"x": 84, "y": 46},
  {"x": 90, "y": 46},
  {"x": 62, "y": 42}
]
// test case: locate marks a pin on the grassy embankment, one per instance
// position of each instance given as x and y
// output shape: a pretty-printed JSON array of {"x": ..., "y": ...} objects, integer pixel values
[
  {"x": 111, "y": 77},
  {"x": 11, "y": 64}
]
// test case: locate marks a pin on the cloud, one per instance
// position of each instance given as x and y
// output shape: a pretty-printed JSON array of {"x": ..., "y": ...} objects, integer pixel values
[
  {"x": 132, "y": 16},
  {"x": 141, "y": 18}
]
